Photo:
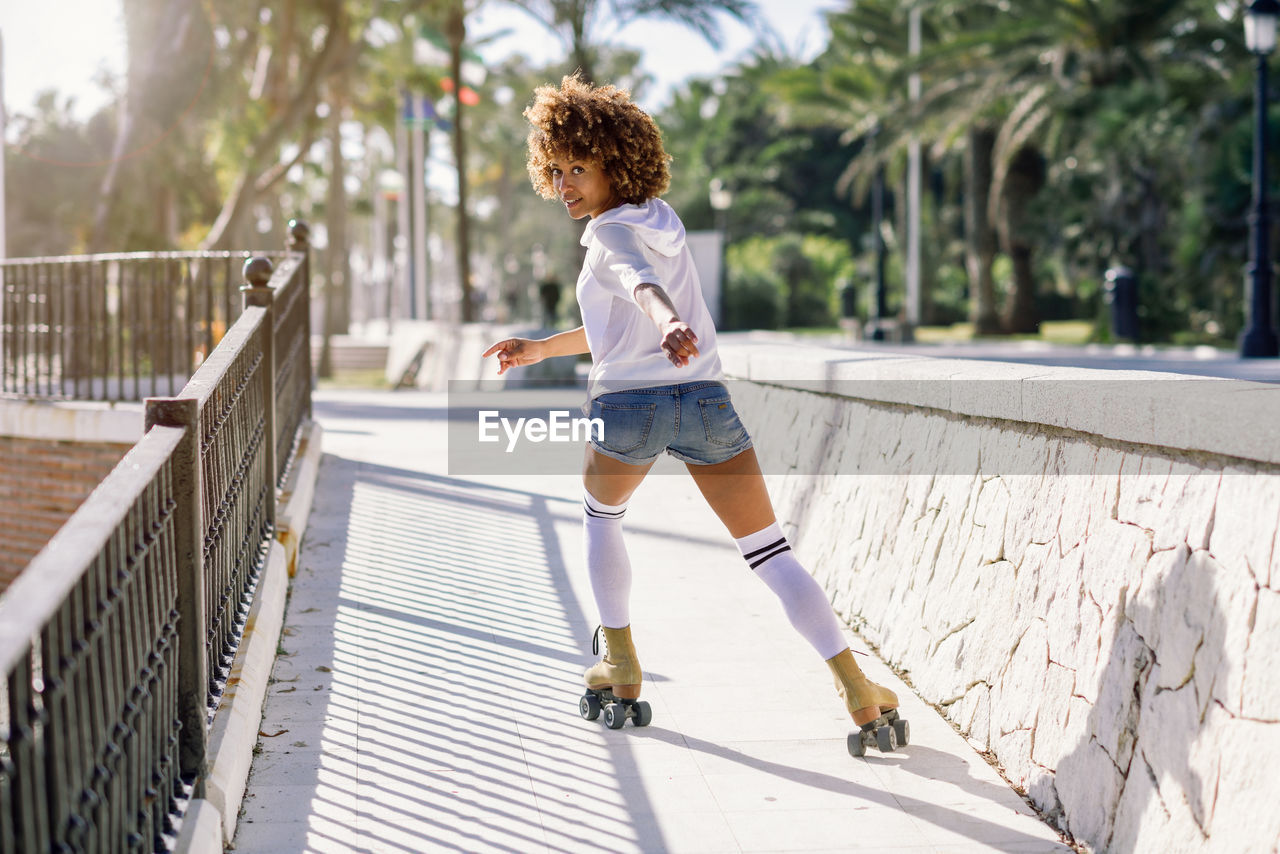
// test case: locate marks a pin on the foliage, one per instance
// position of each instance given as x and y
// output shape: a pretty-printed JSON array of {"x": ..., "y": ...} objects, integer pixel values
[
  {"x": 785, "y": 281},
  {"x": 1120, "y": 132}
]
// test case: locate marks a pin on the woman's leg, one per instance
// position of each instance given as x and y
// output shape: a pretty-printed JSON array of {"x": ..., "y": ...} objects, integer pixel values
[
  {"x": 737, "y": 493},
  {"x": 609, "y": 485},
  {"x": 611, "y": 481}
]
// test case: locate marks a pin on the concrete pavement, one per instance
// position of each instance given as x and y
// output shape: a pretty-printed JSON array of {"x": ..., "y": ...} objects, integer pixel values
[{"x": 425, "y": 694}]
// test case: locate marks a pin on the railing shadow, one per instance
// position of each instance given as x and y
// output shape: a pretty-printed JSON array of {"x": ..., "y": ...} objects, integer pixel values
[{"x": 453, "y": 652}]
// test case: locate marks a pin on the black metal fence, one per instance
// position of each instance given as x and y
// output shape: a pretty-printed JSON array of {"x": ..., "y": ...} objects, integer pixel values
[
  {"x": 89, "y": 733},
  {"x": 116, "y": 641},
  {"x": 116, "y": 327}
]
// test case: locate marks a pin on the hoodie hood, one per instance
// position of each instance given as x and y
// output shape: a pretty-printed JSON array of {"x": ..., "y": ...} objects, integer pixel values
[{"x": 654, "y": 222}]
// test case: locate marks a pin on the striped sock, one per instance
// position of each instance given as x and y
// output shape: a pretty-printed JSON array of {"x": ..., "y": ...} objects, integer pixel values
[
  {"x": 608, "y": 567},
  {"x": 769, "y": 554}
]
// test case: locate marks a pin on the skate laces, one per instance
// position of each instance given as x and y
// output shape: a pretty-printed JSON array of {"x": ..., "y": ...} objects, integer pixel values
[{"x": 595, "y": 641}]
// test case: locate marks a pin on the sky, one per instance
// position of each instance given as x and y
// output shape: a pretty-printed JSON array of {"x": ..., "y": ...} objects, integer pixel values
[{"x": 41, "y": 51}]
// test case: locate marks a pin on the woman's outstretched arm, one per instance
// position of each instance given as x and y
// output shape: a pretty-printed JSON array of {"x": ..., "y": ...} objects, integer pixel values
[{"x": 522, "y": 352}]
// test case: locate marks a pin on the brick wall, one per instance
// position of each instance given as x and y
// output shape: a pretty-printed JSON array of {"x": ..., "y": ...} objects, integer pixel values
[{"x": 42, "y": 482}]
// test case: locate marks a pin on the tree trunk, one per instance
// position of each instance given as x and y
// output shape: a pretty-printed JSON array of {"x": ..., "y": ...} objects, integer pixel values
[
  {"x": 980, "y": 237},
  {"x": 168, "y": 38},
  {"x": 336, "y": 255},
  {"x": 278, "y": 82},
  {"x": 263, "y": 153},
  {"x": 457, "y": 35},
  {"x": 337, "y": 264},
  {"x": 1026, "y": 177}
]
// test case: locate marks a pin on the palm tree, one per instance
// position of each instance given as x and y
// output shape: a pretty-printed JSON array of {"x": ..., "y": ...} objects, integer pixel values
[
  {"x": 578, "y": 22},
  {"x": 1014, "y": 87},
  {"x": 1035, "y": 72}
]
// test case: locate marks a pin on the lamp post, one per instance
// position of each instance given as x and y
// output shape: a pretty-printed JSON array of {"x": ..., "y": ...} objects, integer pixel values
[
  {"x": 721, "y": 201},
  {"x": 1259, "y": 339}
]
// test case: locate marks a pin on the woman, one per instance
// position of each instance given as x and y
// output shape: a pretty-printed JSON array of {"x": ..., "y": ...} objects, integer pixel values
[{"x": 656, "y": 383}]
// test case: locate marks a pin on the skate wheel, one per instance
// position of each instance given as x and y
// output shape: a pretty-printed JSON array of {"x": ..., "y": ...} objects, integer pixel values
[
  {"x": 886, "y": 739},
  {"x": 615, "y": 715},
  {"x": 902, "y": 729},
  {"x": 589, "y": 707},
  {"x": 857, "y": 747},
  {"x": 644, "y": 714}
]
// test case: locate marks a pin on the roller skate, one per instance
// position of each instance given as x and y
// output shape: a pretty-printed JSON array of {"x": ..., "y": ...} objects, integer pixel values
[
  {"x": 613, "y": 682},
  {"x": 873, "y": 708}
]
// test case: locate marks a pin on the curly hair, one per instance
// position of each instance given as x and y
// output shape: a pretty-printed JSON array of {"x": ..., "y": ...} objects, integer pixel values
[{"x": 579, "y": 121}]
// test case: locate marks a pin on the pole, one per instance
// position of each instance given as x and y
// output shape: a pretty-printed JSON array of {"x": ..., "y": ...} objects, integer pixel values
[
  {"x": 912, "y": 308},
  {"x": 1259, "y": 339},
  {"x": 418, "y": 198},
  {"x": 188, "y": 532},
  {"x": 462, "y": 241},
  {"x": 403, "y": 248},
  {"x": 877, "y": 236}
]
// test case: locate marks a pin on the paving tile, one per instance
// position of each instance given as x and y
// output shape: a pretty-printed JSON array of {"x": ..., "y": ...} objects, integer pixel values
[
  {"x": 948, "y": 826},
  {"x": 866, "y": 829},
  {"x": 317, "y": 834},
  {"x": 437, "y": 633}
]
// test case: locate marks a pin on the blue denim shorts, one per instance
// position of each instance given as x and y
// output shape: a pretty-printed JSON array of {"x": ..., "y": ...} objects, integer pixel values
[{"x": 693, "y": 422}]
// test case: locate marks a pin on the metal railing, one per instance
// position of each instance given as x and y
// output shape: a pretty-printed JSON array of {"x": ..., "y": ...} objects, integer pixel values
[
  {"x": 117, "y": 640},
  {"x": 116, "y": 327}
]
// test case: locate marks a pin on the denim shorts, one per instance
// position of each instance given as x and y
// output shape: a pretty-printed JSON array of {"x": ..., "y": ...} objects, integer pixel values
[{"x": 693, "y": 422}]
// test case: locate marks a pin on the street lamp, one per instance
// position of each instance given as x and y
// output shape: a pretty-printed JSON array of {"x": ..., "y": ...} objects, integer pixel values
[
  {"x": 721, "y": 201},
  {"x": 1259, "y": 339}
]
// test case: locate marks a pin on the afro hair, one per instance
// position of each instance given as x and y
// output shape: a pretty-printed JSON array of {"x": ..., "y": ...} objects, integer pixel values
[{"x": 601, "y": 124}]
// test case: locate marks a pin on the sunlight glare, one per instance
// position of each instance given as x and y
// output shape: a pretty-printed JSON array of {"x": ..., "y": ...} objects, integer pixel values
[{"x": 44, "y": 50}]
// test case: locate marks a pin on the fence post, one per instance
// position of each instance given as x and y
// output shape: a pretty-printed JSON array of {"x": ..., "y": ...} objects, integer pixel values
[
  {"x": 257, "y": 292},
  {"x": 193, "y": 672},
  {"x": 300, "y": 241}
]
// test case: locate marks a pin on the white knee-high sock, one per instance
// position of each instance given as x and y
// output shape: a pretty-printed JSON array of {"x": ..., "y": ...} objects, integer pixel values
[
  {"x": 769, "y": 554},
  {"x": 608, "y": 567}
]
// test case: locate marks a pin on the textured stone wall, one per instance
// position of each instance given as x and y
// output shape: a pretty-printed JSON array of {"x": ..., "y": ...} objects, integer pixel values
[{"x": 1102, "y": 614}]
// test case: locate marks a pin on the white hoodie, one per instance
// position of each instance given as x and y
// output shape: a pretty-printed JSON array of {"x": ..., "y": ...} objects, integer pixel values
[{"x": 627, "y": 246}]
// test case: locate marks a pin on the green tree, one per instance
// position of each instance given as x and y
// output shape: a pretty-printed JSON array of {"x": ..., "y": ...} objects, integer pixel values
[
  {"x": 1048, "y": 71},
  {"x": 786, "y": 280}
]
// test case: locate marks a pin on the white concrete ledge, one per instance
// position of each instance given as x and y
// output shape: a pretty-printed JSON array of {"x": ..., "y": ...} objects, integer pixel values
[
  {"x": 294, "y": 502},
  {"x": 1233, "y": 418},
  {"x": 201, "y": 831},
  {"x": 72, "y": 421},
  {"x": 235, "y": 725}
]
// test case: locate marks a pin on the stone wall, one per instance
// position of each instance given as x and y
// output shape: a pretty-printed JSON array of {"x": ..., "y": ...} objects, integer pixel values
[
  {"x": 1081, "y": 569},
  {"x": 51, "y": 457}
]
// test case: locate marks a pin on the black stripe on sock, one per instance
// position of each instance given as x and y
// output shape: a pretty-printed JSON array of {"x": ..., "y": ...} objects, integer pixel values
[
  {"x": 770, "y": 556},
  {"x": 602, "y": 514},
  {"x": 770, "y": 547}
]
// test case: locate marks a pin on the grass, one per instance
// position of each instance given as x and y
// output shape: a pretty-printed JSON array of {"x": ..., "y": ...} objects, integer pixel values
[
  {"x": 1051, "y": 332},
  {"x": 371, "y": 378}
]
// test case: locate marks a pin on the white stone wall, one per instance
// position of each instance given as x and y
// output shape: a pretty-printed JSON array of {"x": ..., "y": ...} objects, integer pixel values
[{"x": 1099, "y": 610}]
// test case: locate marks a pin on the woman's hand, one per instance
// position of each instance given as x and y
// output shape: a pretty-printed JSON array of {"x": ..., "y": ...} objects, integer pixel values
[
  {"x": 517, "y": 353},
  {"x": 679, "y": 343}
]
